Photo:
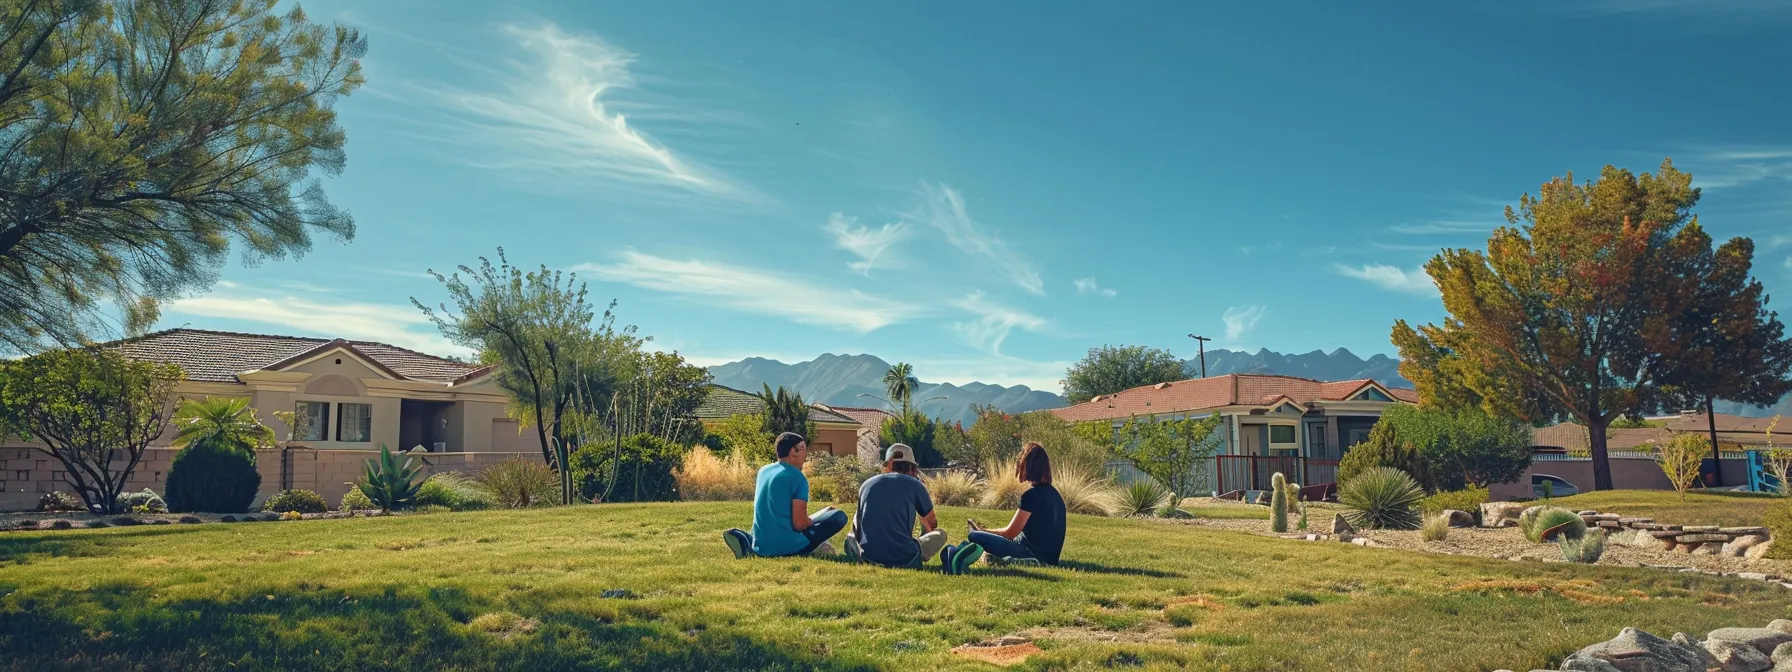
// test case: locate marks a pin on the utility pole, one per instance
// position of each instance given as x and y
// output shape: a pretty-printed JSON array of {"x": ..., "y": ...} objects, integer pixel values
[{"x": 1201, "y": 344}]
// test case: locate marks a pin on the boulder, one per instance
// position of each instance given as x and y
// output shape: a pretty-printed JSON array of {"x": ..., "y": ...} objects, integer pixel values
[
  {"x": 1683, "y": 640},
  {"x": 1758, "y": 551},
  {"x": 1459, "y": 518},
  {"x": 1737, "y": 656},
  {"x": 1636, "y": 651},
  {"x": 1340, "y": 526},
  {"x": 1738, "y": 545},
  {"x": 1764, "y": 640},
  {"x": 1782, "y": 655},
  {"x": 1501, "y": 514},
  {"x": 1780, "y": 625}
]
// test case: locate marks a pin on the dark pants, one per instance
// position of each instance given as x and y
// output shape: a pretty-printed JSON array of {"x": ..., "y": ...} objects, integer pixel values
[
  {"x": 999, "y": 547},
  {"x": 821, "y": 529}
]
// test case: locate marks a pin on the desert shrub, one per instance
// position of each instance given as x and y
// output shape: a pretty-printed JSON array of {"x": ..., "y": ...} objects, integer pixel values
[
  {"x": 1443, "y": 449},
  {"x": 1468, "y": 499},
  {"x": 212, "y": 476},
  {"x": 1552, "y": 516},
  {"x": 520, "y": 484},
  {"x": 706, "y": 477},
  {"x": 1278, "y": 503},
  {"x": 57, "y": 501},
  {"x": 646, "y": 472},
  {"x": 954, "y": 488},
  {"x": 1383, "y": 449},
  {"x": 914, "y": 429},
  {"x": 354, "y": 500},
  {"x": 1084, "y": 491},
  {"x": 833, "y": 478},
  {"x": 1142, "y": 497},
  {"x": 455, "y": 490},
  {"x": 1003, "y": 490},
  {"x": 142, "y": 501},
  {"x": 1584, "y": 549},
  {"x": 1435, "y": 528},
  {"x": 1779, "y": 524},
  {"x": 1681, "y": 459},
  {"x": 999, "y": 435},
  {"x": 1382, "y": 498},
  {"x": 295, "y": 515},
  {"x": 301, "y": 501},
  {"x": 388, "y": 483}
]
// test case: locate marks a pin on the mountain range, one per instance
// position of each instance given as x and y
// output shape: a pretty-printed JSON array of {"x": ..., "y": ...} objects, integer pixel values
[{"x": 840, "y": 380}]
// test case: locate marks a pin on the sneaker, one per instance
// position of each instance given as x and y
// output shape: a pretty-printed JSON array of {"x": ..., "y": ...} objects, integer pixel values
[
  {"x": 824, "y": 549},
  {"x": 853, "y": 552},
  {"x": 1022, "y": 562},
  {"x": 739, "y": 542},
  {"x": 962, "y": 558}
]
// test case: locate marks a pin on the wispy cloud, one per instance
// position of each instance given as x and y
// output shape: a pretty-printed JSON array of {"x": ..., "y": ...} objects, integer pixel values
[
  {"x": 1392, "y": 278},
  {"x": 993, "y": 322},
  {"x": 1087, "y": 287},
  {"x": 550, "y": 116},
  {"x": 754, "y": 290},
  {"x": 943, "y": 208},
  {"x": 1726, "y": 167},
  {"x": 1240, "y": 320},
  {"x": 1248, "y": 250},
  {"x": 868, "y": 243},
  {"x": 1449, "y": 226},
  {"x": 398, "y": 325},
  {"x": 1403, "y": 247},
  {"x": 1319, "y": 251}
]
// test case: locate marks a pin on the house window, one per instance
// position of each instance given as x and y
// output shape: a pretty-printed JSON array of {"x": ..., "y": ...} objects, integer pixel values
[
  {"x": 354, "y": 423},
  {"x": 311, "y": 420},
  {"x": 1281, "y": 433}
]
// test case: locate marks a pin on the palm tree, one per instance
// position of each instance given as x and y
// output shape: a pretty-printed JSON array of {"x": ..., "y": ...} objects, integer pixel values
[
  {"x": 900, "y": 383},
  {"x": 228, "y": 420}
]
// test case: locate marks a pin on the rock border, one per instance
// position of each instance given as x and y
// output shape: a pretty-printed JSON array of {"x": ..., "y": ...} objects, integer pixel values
[{"x": 1767, "y": 649}]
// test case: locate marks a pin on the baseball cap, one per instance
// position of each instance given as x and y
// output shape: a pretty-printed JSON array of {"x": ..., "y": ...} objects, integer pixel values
[{"x": 900, "y": 453}]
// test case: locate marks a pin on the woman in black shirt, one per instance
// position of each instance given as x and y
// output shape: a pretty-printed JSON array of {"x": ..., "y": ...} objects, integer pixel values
[{"x": 1036, "y": 534}]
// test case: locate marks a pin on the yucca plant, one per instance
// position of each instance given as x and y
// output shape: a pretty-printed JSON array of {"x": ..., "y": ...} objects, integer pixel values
[
  {"x": 1142, "y": 497},
  {"x": 1584, "y": 549},
  {"x": 388, "y": 484},
  {"x": 1382, "y": 498},
  {"x": 1552, "y": 517},
  {"x": 1278, "y": 503}
]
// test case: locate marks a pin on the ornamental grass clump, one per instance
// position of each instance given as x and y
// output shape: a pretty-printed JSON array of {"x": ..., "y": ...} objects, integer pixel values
[
  {"x": 954, "y": 488},
  {"x": 1435, "y": 528},
  {"x": 1382, "y": 498},
  {"x": 521, "y": 484},
  {"x": 1084, "y": 492},
  {"x": 1004, "y": 489},
  {"x": 1584, "y": 549},
  {"x": 708, "y": 477}
]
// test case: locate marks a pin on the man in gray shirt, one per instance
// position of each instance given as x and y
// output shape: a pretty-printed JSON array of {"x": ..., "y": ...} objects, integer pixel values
[{"x": 888, "y": 505}]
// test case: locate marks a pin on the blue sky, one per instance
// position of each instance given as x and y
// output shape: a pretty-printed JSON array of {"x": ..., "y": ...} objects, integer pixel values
[{"x": 988, "y": 190}]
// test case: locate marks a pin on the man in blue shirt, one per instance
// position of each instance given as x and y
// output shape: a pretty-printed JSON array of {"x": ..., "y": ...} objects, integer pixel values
[{"x": 782, "y": 525}]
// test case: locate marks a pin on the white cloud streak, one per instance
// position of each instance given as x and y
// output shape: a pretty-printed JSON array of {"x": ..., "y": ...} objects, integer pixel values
[
  {"x": 1240, "y": 320},
  {"x": 993, "y": 323},
  {"x": 1731, "y": 167},
  {"x": 1392, "y": 278},
  {"x": 403, "y": 326},
  {"x": 754, "y": 290},
  {"x": 1447, "y": 227},
  {"x": 1088, "y": 287},
  {"x": 869, "y": 244},
  {"x": 943, "y": 208}
]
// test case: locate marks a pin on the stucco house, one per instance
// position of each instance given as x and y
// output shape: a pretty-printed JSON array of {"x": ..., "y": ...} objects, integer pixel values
[
  {"x": 1297, "y": 426},
  {"x": 835, "y": 433},
  {"x": 871, "y": 423}
]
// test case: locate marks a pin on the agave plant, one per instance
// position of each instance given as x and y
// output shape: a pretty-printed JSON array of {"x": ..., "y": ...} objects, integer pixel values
[
  {"x": 1382, "y": 498},
  {"x": 1142, "y": 497},
  {"x": 388, "y": 484}
]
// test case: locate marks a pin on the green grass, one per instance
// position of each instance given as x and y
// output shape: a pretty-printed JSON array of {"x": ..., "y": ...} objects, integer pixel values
[
  {"x": 1731, "y": 509},
  {"x": 522, "y": 590}
]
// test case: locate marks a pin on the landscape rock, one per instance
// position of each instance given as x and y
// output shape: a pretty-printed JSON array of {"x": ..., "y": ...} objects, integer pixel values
[
  {"x": 1683, "y": 640},
  {"x": 1780, "y": 625},
  {"x": 1758, "y": 551},
  {"x": 1782, "y": 654},
  {"x": 1764, "y": 640},
  {"x": 1736, "y": 546},
  {"x": 1738, "y": 656},
  {"x": 1459, "y": 518},
  {"x": 1636, "y": 651},
  {"x": 1501, "y": 514},
  {"x": 1340, "y": 526}
]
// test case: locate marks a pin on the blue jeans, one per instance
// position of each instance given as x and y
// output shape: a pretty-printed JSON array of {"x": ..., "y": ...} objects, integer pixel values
[
  {"x": 1000, "y": 547},
  {"x": 821, "y": 529}
]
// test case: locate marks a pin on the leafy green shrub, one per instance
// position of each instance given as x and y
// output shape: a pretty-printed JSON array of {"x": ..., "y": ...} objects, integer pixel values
[
  {"x": 1381, "y": 498},
  {"x": 389, "y": 484},
  {"x": 954, "y": 488},
  {"x": 1443, "y": 449},
  {"x": 454, "y": 490},
  {"x": 1779, "y": 524},
  {"x": 834, "y": 478},
  {"x": 1550, "y": 517},
  {"x": 1468, "y": 499},
  {"x": 1383, "y": 449},
  {"x": 212, "y": 476},
  {"x": 301, "y": 501},
  {"x": 1435, "y": 528},
  {"x": 647, "y": 473},
  {"x": 1584, "y": 549},
  {"x": 354, "y": 500},
  {"x": 520, "y": 484},
  {"x": 143, "y": 501},
  {"x": 57, "y": 501},
  {"x": 1278, "y": 503},
  {"x": 1143, "y": 497}
]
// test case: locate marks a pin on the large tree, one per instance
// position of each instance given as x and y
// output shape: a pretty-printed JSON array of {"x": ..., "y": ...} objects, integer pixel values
[
  {"x": 94, "y": 411},
  {"x": 1109, "y": 369},
  {"x": 140, "y": 140},
  {"x": 1567, "y": 310}
]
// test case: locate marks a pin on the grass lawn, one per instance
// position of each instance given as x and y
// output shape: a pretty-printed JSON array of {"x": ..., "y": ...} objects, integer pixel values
[
  {"x": 1731, "y": 509},
  {"x": 523, "y": 590}
]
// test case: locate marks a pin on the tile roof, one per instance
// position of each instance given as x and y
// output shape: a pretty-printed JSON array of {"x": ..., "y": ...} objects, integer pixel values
[
  {"x": 868, "y": 417},
  {"x": 1198, "y": 394},
  {"x": 871, "y": 422},
  {"x": 723, "y": 402},
  {"x": 217, "y": 356}
]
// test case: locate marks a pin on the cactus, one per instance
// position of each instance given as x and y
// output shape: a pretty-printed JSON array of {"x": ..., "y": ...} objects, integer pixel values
[
  {"x": 1585, "y": 549},
  {"x": 1278, "y": 503}
]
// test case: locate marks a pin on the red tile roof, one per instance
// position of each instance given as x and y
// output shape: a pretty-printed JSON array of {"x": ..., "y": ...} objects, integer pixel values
[
  {"x": 217, "y": 356},
  {"x": 868, "y": 417},
  {"x": 1197, "y": 394}
]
